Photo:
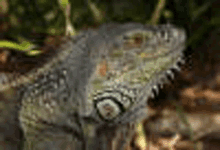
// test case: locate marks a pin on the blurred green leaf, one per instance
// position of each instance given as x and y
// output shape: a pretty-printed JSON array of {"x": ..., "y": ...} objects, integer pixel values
[
  {"x": 24, "y": 46},
  {"x": 4, "y": 6},
  {"x": 97, "y": 14},
  {"x": 33, "y": 52},
  {"x": 200, "y": 10},
  {"x": 12, "y": 45},
  {"x": 66, "y": 8},
  {"x": 168, "y": 14},
  {"x": 198, "y": 34},
  {"x": 215, "y": 21},
  {"x": 63, "y": 3},
  {"x": 157, "y": 12}
]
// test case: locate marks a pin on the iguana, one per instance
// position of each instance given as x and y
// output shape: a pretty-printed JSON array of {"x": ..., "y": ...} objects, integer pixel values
[{"x": 97, "y": 85}]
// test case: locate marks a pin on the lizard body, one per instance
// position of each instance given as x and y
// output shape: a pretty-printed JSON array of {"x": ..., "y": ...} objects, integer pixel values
[{"x": 106, "y": 75}]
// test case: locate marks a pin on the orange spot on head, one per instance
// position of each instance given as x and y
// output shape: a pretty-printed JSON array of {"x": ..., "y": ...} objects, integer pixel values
[{"x": 102, "y": 68}]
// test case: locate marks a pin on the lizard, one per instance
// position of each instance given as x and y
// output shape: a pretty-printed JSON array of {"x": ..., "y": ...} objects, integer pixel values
[{"x": 103, "y": 77}]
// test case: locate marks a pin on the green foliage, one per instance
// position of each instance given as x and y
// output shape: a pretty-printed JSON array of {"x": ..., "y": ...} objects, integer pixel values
[
  {"x": 24, "y": 46},
  {"x": 27, "y": 18}
]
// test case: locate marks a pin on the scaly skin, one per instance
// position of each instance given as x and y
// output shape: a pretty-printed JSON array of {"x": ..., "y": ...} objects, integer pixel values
[{"x": 100, "y": 78}]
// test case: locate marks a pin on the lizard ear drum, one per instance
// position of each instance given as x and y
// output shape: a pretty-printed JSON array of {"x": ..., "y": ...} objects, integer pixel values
[
  {"x": 108, "y": 109},
  {"x": 110, "y": 104}
]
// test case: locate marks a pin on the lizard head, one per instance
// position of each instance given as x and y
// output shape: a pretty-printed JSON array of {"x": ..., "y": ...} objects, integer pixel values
[{"x": 141, "y": 59}]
